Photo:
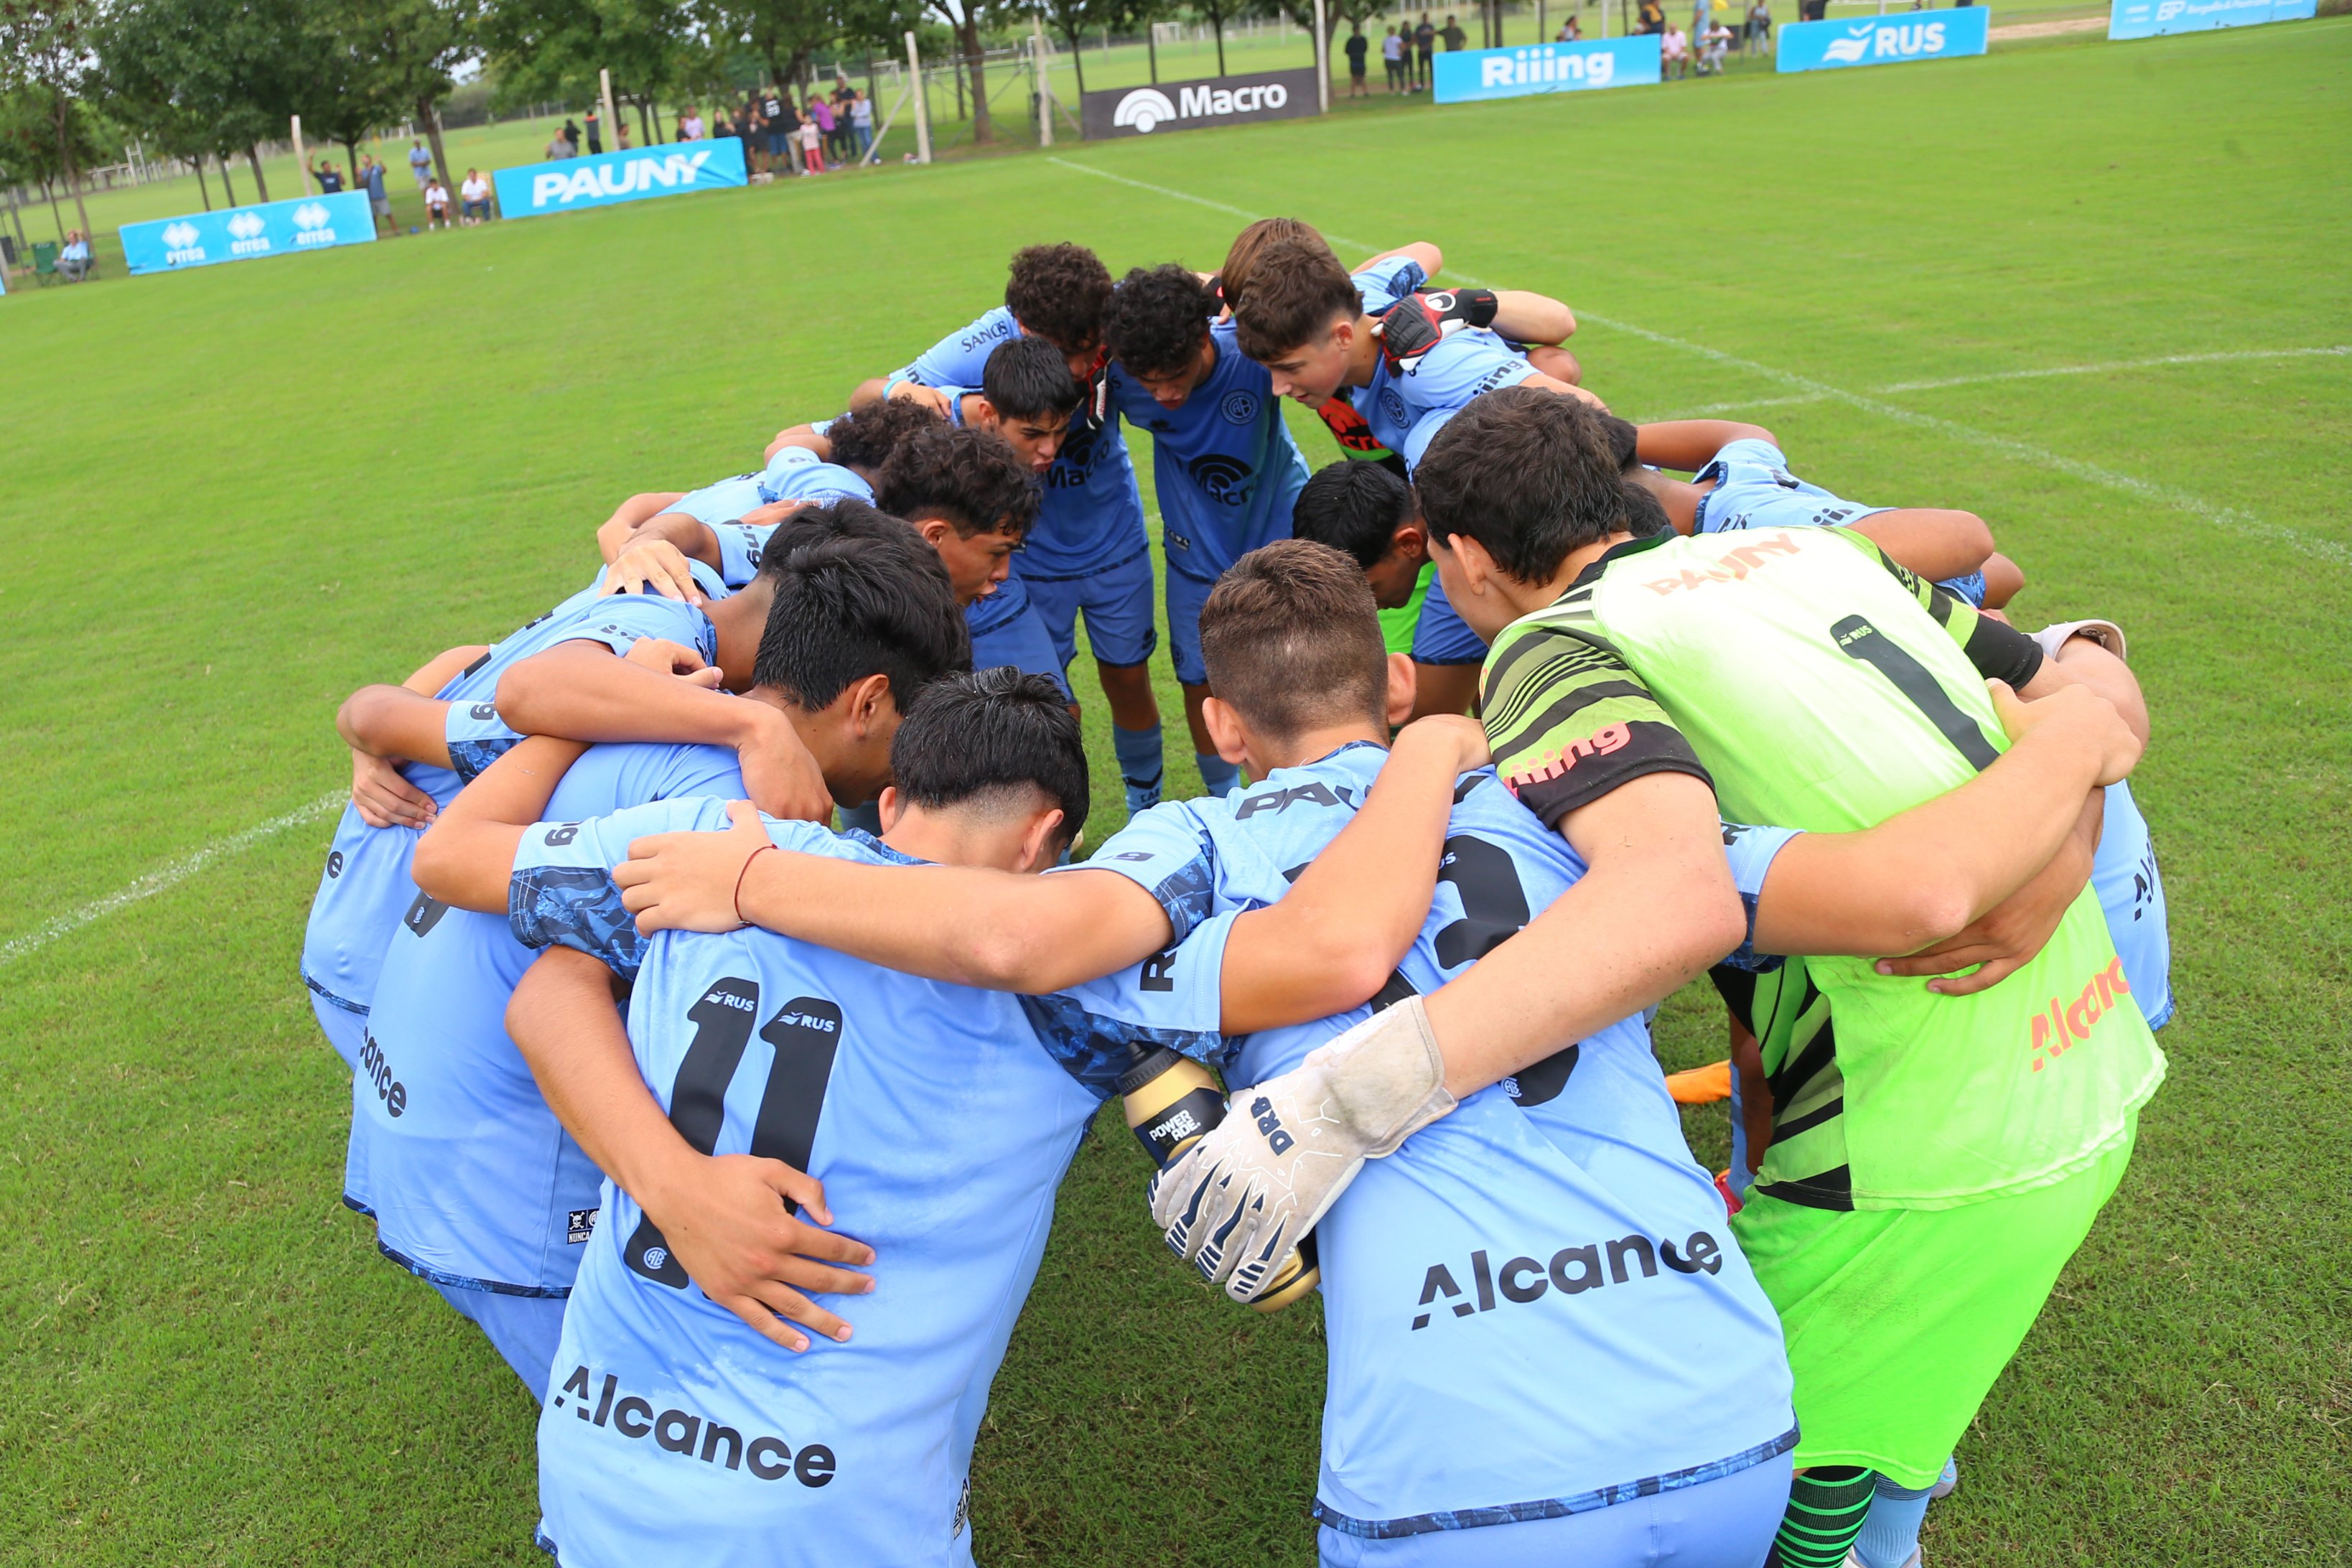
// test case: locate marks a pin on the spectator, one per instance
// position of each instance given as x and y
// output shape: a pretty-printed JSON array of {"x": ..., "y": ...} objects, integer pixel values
[
  {"x": 1674, "y": 53},
  {"x": 838, "y": 142},
  {"x": 1651, "y": 17},
  {"x": 1702, "y": 13},
  {"x": 1424, "y": 48},
  {"x": 1454, "y": 36},
  {"x": 73, "y": 261},
  {"x": 572, "y": 134},
  {"x": 596, "y": 132},
  {"x": 861, "y": 121},
  {"x": 1393, "y": 55},
  {"x": 1758, "y": 26},
  {"x": 622, "y": 131},
  {"x": 329, "y": 178},
  {"x": 1571, "y": 31},
  {"x": 783, "y": 132},
  {"x": 436, "y": 203},
  {"x": 476, "y": 193},
  {"x": 1812, "y": 10},
  {"x": 372, "y": 177},
  {"x": 419, "y": 161},
  {"x": 755, "y": 132},
  {"x": 812, "y": 136},
  {"x": 560, "y": 148},
  {"x": 1357, "y": 48},
  {"x": 1714, "y": 48},
  {"x": 689, "y": 125}
]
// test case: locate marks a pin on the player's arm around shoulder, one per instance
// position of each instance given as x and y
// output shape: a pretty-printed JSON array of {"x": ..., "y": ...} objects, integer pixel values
[
  {"x": 1689, "y": 445},
  {"x": 964, "y": 925},
  {"x": 465, "y": 858}
]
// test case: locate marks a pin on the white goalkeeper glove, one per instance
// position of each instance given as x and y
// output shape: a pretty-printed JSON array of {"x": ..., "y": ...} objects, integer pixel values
[
  {"x": 1238, "y": 1202},
  {"x": 2106, "y": 634}
]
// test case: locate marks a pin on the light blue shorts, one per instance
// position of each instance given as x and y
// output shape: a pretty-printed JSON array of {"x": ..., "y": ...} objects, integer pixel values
[
  {"x": 1005, "y": 629},
  {"x": 1118, "y": 604},
  {"x": 1724, "y": 1523},
  {"x": 523, "y": 1329},
  {"x": 1186, "y": 595}
]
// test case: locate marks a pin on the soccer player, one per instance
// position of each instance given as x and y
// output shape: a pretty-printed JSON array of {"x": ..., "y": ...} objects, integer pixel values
[
  {"x": 1055, "y": 292},
  {"x": 1812, "y": 683},
  {"x": 365, "y": 885},
  {"x": 1223, "y": 465},
  {"x": 1088, "y": 549},
  {"x": 1739, "y": 479},
  {"x": 473, "y": 1186},
  {"x": 936, "y": 1124}
]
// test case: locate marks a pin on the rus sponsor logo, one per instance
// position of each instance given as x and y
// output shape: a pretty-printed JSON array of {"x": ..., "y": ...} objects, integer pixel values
[
  {"x": 1571, "y": 1272},
  {"x": 690, "y": 1434},
  {"x": 2064, "y": 1025}
]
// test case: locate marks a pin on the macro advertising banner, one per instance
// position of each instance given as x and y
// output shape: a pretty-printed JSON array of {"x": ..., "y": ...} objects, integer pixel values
[
  {"x": 1470, "y": 76},
  {"x": 243, "y": 234},
  {"x": 1885, "y": 40},
  {"x": 1196, "y": 105},
  {"x": 2154, "y": 18},
  {"x": 607, "y": 179}
]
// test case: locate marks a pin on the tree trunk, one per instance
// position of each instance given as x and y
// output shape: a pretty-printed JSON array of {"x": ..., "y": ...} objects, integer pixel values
[
  {"x": 351, "y": 153},
  {"x": 201, "y": 189},
  {"x": 983, "y": 131},
  {"x": 252, "y": 157},
  {"x": 432, "y": 117},
  {"x": 1217, "y": 23},
  {"x": 49, "y": 189},
  {"x": 73, "y": 175},
  {"x": 226, "y": 184},
  {"x": 1151, "y": 47},
  {"x": 1078, "y": 61},
  {"x": 645, "y": 128}
]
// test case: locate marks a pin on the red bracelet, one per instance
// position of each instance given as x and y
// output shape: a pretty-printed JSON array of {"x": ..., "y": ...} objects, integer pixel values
[{"x": 746, "y": 871}]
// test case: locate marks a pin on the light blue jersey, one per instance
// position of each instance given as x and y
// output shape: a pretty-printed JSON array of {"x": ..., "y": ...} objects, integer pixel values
[
  {"x": 795, "y": 473},
  {"x": 673, "y": 1434},
  {"x": 1534, "y": 1308},
  {"x": 1224, "y": 467},
  {"x": 472, "y": 1181},
  {"x": 366, "y": 884},
  {"x": 721, "y": 502},
  {"x": 958, "y": 359},
  {"x": 1406, "y": 410},
  {"x": 1089, "y": 511},
  {"x": 1754, "y": 488},
  {"x": 2131, "y": 894}
]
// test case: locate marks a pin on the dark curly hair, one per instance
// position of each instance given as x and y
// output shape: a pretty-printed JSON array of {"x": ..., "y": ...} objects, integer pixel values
[
  {"x": 1057, "y": 291},
  {"x": 865, "y": 438},
  {"x": 971, "y": 479},
  {"x": 1156, "y": 320}
]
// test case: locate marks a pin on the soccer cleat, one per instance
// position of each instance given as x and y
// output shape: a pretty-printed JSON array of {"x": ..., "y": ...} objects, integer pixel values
[
  {"x": 1701, "y": 1086},
  {"x": 1947, "y": 1483}
]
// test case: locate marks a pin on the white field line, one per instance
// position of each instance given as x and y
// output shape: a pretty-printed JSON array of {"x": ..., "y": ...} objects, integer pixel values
[
  {"x": 167, "y": 877},
  {"x": 2230, "y": 518},
  {"x": 2227, "y": 357}
]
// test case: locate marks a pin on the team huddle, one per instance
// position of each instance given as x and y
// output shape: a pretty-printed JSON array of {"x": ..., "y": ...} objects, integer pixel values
[{"x": 738, "y": 891}]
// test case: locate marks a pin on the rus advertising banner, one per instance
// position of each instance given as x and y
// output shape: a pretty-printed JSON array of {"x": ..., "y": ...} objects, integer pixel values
[
  {"x": 1885, "y": 40},
  {"x": 2153, "y": 18},
  {"x": 1193, "y": 105},
  {"x": 241, "y": 233},
  {"x": 1467, "y": 76},
  {"x": 665, "y": 169}
]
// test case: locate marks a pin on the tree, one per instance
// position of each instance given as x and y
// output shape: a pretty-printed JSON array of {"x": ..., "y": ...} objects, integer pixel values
[
  {"x": 200, "y": 77},
  {"x": 414, "y": 45},
  {"x": 47, "y": 50},
  {"x": 546, "y": 49},
  {"x": 784, "y": 35},
  {"x": 964, "y": 18},
  {"x": 1071, "y": 20},
  {"x": 1217, "y": 12}
]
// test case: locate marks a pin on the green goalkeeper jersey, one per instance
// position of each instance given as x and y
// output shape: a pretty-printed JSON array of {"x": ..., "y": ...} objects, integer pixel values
[{"x": 1818, "y": 685}]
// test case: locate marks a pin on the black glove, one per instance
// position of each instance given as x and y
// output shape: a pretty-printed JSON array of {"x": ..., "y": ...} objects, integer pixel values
[{"x": 1420, "y": 321}]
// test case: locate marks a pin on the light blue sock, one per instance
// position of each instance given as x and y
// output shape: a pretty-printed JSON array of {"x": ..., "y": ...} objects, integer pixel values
[
  {"x": 1222, "y": 776},
  {"x": 1139, "y": 766},
  {"x": 1891, "y": 1533}
]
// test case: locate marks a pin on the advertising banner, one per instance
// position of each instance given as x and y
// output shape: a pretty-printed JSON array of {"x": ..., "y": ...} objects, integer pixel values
[
  {"x": 1885, "y": 40},
  {"x": 1467, "y": 76},
  {"x": 665, "y": 169},
  {"x": 241, "y": 233},
  {"x": 1193, "y": 105},
  {"x": 2152, "y": 18}
]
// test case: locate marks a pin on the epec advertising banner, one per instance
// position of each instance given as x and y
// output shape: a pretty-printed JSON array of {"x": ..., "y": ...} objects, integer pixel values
[
  {"x": 1885, "y": 40},
  {"x": 2153, "y": 18},
  {"x": 241, "y": 233},
  {"x": 1195, "y": 105},
  {"x": 665, "y": 169},
  {"x": 1468, "y": 76}
]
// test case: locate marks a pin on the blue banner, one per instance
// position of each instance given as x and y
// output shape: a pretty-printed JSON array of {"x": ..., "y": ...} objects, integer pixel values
[
  {"x": 241, "y": 233},
  {"x": 1885, "y": 40},
  {"x": 1467, "y": 76},
  {"x": 669, "y": 169},
  {"x": 2151, "y": 19}
]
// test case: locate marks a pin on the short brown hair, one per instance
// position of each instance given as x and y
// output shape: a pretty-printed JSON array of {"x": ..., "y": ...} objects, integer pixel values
[
  {"x": 1292, "y": 639},
  {"x": 1242, "y": 256},
  {"x": 1296, "y": 291}
]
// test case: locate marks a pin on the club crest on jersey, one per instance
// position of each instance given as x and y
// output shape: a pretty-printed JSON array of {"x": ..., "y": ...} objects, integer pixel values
[
  {"x": 1239, "y": 408},
  {"x": 1571, "y": 1272},
  {"x": 1226, "y": 480}
]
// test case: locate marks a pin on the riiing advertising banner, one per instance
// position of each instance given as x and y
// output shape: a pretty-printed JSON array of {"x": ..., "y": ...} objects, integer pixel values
[
  {"x": 1194, "y": 105},
  {"x": 1468, "y": 76}
]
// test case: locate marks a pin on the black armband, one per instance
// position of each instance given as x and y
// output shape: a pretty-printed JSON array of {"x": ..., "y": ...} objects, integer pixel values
[{"x": 2002, "y": 652}]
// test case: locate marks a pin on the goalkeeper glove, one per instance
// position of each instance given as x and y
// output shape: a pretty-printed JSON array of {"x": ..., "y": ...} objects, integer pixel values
[
  {"x": 1419, "y": 322},
  {"x": 1238, "y": 1202}
]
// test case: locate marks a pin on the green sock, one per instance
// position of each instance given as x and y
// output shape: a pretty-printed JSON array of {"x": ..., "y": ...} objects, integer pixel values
[{"x": 1826, "y": 1507}]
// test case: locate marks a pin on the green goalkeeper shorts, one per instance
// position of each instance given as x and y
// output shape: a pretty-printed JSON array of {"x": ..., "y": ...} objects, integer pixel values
[{"x": 1898, "y": 1320}]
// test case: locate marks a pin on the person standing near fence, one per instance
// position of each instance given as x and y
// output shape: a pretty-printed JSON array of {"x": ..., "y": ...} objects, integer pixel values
[
  {"x": 372, "y": 177},
  {"x": 861, "y": 121},
  {"x": 1359, "y": 47},
  {"x": 1392, "y": 56},
  {"x": 1759, "y": 28},
  {"x": 689, "y": 125},
  {"x": 596, "y": 132},
  {"x": 1424, "y": 48},
  {"x": 420, "y": 163},
  {"x": 329, "y": 178},
  {"x": 812, "y": 136}
]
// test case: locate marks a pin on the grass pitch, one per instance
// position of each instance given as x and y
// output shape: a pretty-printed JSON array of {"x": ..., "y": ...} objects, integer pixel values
[{"x": 2033, "y": 285}]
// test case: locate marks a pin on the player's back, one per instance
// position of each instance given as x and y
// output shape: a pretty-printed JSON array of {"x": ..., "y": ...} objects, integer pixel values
[
  {"x": 1224, "y": 468},
  {"x": 366, "y": 883},
  {"x": 958, "y": 359},
  {"x": 471, "y": 1179},
  {"x": 1515, "y": 1301},
  {"x": 939, "y": 1130},
  {"x": 1825, "y": 689},
  {"x": 1752, "y": 488}
]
